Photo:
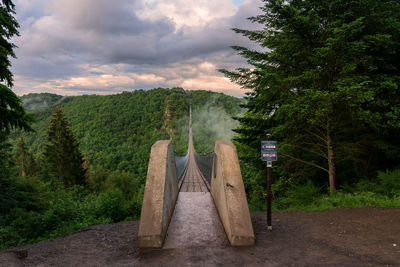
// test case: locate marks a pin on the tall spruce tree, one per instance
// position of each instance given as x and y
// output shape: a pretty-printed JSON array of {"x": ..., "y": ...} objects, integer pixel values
[
  {"x": 62, "y": 151},
  {"x": 9, "y": 28},
  {"x": 328, "y": 71},
  {"x": 12, "y": 114}
]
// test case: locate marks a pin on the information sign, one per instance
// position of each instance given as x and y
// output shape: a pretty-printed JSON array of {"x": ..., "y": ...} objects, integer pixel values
[{"x": 269, "y": 151}]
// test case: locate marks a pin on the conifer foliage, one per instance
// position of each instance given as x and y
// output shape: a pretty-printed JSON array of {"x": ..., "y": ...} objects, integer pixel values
[
  {"x": 12, "y": 114},
  {"x": 327, "y": 74},
  {"x": 9, "y": 28},
  {"x": 24, "y": 159},
  {"x": 62, "y": 151},
  {"x": 20, "y": 157}
]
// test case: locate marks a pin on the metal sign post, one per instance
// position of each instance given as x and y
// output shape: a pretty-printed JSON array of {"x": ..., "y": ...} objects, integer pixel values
[{"x": 269, "y": 154}]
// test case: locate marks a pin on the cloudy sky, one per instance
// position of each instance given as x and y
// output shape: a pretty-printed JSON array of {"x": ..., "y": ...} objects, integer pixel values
[{"x": 73, "y": 47}]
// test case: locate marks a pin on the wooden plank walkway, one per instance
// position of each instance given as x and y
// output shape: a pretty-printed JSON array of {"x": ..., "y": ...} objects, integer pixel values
[{"x": 193, "y": 180}]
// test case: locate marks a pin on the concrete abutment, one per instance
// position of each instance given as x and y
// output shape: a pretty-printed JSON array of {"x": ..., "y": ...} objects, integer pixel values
[
  {"x": 227, "y": 190},
  {"x": 160, "y": 196}
]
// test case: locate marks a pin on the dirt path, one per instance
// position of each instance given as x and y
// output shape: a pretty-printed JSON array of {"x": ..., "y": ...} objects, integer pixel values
[{"x": 343, "y": 237}]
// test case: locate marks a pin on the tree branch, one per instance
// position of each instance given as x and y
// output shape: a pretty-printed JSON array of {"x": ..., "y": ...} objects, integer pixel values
[
  {"x": 305, "y": 162},
  {"x": 317, "y": 152},
  {"x": 316, "y": 135}
]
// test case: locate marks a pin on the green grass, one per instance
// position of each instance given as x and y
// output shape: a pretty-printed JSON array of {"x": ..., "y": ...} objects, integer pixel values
[
  {"x": 384, "y": 191},
  {"x": 336, "y": 200}
]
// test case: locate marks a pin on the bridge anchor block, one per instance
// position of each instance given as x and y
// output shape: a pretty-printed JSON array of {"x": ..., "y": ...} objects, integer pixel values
[
  {"x": 160, "y": 195},
  {"x": 227, "y": 190}
]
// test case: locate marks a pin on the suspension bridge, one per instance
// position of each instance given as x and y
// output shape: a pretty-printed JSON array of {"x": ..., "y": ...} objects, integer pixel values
[{"x": 188, "y": 206}]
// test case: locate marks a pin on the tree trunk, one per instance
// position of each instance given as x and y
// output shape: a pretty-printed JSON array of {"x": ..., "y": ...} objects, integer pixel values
[
  {"x": 331, "y": 161},
  {"x": 22, "y": 166}
]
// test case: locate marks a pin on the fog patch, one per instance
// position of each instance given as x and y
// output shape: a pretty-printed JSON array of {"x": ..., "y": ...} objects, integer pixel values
[
  {"x": 39, "y": 102},
  {"x": 211, "y": 122}
]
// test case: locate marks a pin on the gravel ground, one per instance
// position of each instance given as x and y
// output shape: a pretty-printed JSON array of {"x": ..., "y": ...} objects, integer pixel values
[{"x": 342, "y": 237}]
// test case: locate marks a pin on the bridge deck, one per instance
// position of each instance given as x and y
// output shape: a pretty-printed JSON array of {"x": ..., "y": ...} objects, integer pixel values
[
  {"x": 195, "y": 221},
  {"x": 193, "y": 180}
]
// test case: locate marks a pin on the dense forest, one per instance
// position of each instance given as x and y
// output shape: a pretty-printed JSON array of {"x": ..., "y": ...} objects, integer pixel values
[
  {"x": 324, "y": 83},
  {"x": 111, "y": 136}
]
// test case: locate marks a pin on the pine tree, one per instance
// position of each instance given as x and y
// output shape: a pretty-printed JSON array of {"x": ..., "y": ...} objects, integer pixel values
[
  {"x": 9, "y": 28},
  {"x": 12, "y": 114},
  {"x": 62, "y": 151}
]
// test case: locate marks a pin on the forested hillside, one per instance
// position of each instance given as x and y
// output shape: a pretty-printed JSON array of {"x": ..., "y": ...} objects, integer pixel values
[
  {"x": 110, "y": 137},
  {"x": 115, "y": 132}
]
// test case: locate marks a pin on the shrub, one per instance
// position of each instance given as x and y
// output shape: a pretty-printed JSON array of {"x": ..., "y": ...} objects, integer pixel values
[
  {"x": 111, "y": 204},
  {"x": 303, "y": 194},
  {"x": 389, "y": 183},
  {"x": 123, "y": 181}
]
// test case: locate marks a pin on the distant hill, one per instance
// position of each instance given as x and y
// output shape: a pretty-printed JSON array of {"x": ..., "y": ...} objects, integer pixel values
[{"x": 116, "y": 132}]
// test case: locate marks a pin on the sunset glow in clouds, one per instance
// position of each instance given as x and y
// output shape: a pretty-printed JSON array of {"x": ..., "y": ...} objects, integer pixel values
[{"x": 73, "y": 47}]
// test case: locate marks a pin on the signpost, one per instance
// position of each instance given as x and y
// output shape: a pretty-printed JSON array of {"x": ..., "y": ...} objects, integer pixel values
[{"x": 269, "y": 153}]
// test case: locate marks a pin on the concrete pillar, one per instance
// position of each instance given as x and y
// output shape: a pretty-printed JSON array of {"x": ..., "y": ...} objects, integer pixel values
[
  {"x": 160, "y": 196},
  {"x": 227, "y": 190}
]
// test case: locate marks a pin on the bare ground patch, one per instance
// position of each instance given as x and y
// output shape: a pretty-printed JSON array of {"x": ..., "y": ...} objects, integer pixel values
[{"x": 342, "y": 237}]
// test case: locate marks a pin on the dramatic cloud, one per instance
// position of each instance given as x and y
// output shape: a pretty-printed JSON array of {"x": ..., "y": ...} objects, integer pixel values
[{"x": 103, "y": 47}]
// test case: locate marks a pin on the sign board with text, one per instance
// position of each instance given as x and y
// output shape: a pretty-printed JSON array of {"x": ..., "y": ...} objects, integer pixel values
[{"x": 269, "y": 150}]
